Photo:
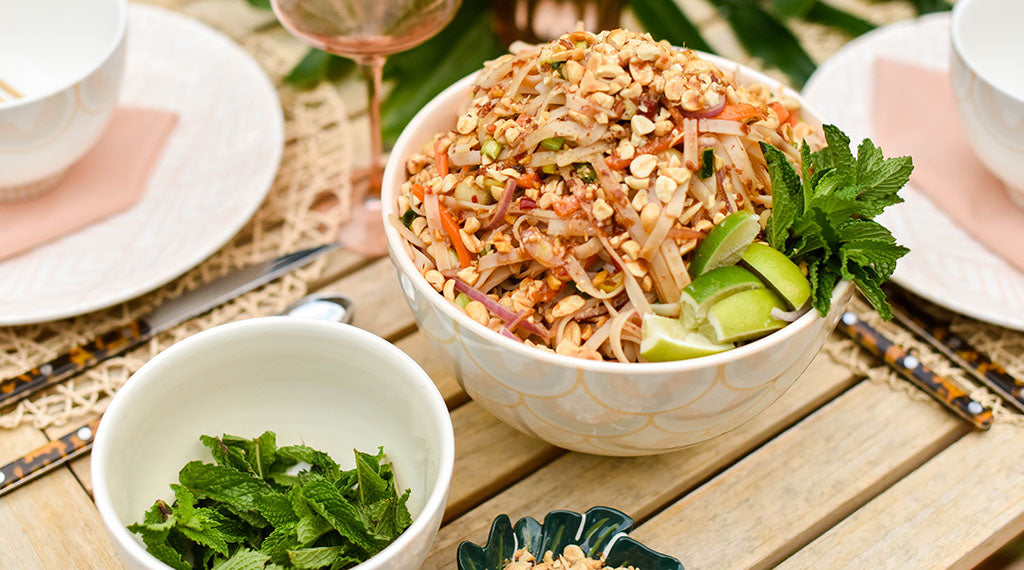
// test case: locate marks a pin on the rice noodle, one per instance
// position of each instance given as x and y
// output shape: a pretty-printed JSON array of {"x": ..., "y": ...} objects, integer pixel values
[{"x": 584, "y": 220}]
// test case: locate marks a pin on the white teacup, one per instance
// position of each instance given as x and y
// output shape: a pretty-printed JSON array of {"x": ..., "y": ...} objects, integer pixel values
[
  {"x": 988, "y": 81},
  {"x": 61, "y": 63}
]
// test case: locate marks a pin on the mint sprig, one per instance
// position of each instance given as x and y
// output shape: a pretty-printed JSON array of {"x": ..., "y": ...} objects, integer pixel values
[
  {"x": 252, "y": 509},
  {"x": 823, "y": 217}
]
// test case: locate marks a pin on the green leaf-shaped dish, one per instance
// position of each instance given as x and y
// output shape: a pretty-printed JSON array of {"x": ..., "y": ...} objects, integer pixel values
[{"x": 601, "y": 531}]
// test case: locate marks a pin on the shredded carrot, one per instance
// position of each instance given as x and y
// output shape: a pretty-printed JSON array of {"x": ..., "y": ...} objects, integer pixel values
[
  {"x": 780, "y": 111},
  {"x": 529, "y": 180},
  {"x": 440, "y": 159},
  {"x": 566, "y": 205},
  {"x": 417, "y": 191},
  {"x": 448, "y": 223},
  {"x": 741, "y": 112}
]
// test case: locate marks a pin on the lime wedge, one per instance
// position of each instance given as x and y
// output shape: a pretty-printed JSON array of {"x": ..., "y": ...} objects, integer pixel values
[
  {"x": 712, "y": 287},
  {"x": 725, "y": 243},
  {"x": 664, "y": 339},
  {"x": 779, "y": 272},
  {"x": 743, "y": 316}
]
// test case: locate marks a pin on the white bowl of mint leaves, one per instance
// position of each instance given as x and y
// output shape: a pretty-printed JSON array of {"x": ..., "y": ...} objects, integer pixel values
[{"x": 275, "y": 443}]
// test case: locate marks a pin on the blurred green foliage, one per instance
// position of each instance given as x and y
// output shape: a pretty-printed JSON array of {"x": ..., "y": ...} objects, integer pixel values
[{"x": 417, "y": 75}]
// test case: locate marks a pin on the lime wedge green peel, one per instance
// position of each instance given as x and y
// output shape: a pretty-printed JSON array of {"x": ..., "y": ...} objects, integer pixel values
[
  {"x": 712, "y": 287},
  {"x": 779, "y": 272},
  {"x": 743, "y": 316},
  {"x": 725, "y": 243},
  {"x": 665, "y": 339}
]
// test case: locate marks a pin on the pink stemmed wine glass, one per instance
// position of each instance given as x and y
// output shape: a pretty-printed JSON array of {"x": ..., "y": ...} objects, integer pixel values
[{"x": 366, "y": 31}]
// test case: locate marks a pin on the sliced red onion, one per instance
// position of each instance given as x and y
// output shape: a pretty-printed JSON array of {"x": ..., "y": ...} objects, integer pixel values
[
  {"x": 502, "y": 209},
  {"x": 527, "y": 204},
  {"x": 788, "y": 316},
  {"x": 499, "y": 311},
  {"x": 706, "y": 113}
]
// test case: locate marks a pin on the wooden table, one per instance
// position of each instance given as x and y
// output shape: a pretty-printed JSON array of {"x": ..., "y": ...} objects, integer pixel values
[{"x": 841, "y": 471}]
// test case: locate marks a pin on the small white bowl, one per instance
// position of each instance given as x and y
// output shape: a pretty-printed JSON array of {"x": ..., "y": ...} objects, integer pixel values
[
  {"x": 331, "y": 386},
  {"x": 988, "y": 82},
  {"x": 65, "y": 59},
  {"x": 605, "y": 408}
]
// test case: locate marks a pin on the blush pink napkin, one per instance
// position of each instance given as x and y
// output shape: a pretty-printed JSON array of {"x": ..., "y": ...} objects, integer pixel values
[
  {"x": 915, "y": 115},
  {"x": 110, "y": 178}
]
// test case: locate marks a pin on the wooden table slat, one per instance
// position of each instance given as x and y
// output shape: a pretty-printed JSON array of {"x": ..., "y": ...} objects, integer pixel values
[
  {"x": 952, "y": 512},
  {"x": 639, "y": 486},
  {"x": 50, "y": 522},
  {"x": 802, "y": 482}
]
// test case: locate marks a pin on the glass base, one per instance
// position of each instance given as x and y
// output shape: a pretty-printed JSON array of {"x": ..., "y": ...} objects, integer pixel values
[{"x": 364, "y": 231}]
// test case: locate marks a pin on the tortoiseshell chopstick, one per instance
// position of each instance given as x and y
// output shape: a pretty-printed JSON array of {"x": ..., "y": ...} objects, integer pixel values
[
  {"x": 936, "y": 331},
  {"x": 47, "y": 458},
  {"x": 942, "y": 389}
]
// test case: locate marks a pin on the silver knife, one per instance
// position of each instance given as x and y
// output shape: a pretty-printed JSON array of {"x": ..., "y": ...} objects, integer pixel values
[{"x": 171, "y": 313}]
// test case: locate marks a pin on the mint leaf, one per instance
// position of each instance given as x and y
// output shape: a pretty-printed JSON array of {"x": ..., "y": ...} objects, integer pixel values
[
  {"x": 224, "y": 455},
  {"x": 372, "y": 487},
  {"x": 319, "y": 461},
  {"x": 222, "y": 484},
  {"x": 879, "y": 255},
  {"x": 880, "y": 177},
  {"x": 276, "y": 508},
  {"x": 829, "y": 228},
  {"x": 396, "y": 518},
  {"x": 787, "y": 202},
  {"x": 277, "y": 543},
  {"x": 327, "y": 501},
  {"x": 864, "y": 229},
  {"x": 244, "y": 559},
  {"x": 311, "y": 527},
  {"x": 823, "y": 281},
  {"x": 836, "y": 155},
  {"x": 310, "y": 558},
  {"x": 157, "y": 545},
  {"x": 234, "y": 516}
]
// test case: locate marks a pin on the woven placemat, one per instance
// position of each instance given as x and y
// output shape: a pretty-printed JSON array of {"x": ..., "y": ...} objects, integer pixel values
[
  {"x": 315, "y": 169},
  {"x": 316, "y": 164},
  {"x": 1003, "y": 346}
]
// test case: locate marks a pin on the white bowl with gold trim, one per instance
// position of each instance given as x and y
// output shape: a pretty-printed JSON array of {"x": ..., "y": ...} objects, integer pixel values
[
  {"x": 606, "y": 408},
  {"x": 61, "y": 63}
]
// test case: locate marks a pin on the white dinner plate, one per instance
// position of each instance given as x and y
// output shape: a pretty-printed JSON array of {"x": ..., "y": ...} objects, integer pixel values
[
  {"x": 214, "y": 172},
  {"x": 946, "y": 265}
]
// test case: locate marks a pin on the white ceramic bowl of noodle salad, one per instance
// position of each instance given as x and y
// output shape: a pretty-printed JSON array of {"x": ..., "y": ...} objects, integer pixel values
[{"x": 563, "y": 395}]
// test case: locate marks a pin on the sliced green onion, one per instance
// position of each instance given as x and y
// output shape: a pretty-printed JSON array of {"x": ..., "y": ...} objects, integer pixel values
[
  {"x": 558, "y": 67},
  {"x": 549, "y": 169},
  {"x": 491, "y": 148},
  {"x": 553, "y": 143},
  {"x": 462, "y": 300},
  {"x": 586, "y": 172},
  {"x": 408, "y": 217},
  {"x": 707, "y": 163}
]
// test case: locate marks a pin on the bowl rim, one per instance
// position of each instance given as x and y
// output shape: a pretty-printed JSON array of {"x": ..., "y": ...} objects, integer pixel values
[
  {"x": 151, "y": 370},
  {"x": 395, "y": 169},
  {"x": 955, "y": 37},
  {"x": 116, "y": 42}
]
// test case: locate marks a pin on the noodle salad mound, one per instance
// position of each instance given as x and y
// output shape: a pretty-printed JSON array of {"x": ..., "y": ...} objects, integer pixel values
[{"x": 568, "y": 205}]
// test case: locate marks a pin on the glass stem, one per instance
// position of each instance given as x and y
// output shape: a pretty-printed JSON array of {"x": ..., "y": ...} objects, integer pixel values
[{"x": 375, "y": 70}]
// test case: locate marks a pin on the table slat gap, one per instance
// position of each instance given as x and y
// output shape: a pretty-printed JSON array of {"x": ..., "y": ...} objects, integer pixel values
[
  {"x": 952, "y": 512},
  {"x": 641, "y": 485},
  {"x": 805, "y": 481}
]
